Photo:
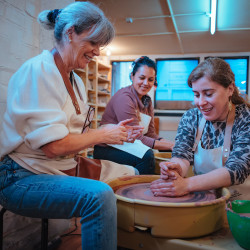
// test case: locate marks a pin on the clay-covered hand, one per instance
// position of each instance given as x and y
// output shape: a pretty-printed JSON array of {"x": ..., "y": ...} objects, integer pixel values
[
  {"x": 114, "y": 134},
  {"x": 167, "y": 170},
  {"x": 171, "y": 187},
  {"x": 134, "y": 131}
]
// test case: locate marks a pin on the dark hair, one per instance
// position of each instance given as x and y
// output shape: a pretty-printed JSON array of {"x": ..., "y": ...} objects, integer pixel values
[
  {"x": 219, "y": 71},
  {"x": 83, "y": 16},
  {"x": 143, "y": 61}
]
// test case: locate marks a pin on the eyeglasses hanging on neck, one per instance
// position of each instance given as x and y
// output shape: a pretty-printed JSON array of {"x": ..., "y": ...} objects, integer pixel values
[{"x": 88, "y": 120}]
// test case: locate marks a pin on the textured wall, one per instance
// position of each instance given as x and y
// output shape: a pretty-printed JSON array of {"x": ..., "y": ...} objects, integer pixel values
[{"x": 20, "y": 39}]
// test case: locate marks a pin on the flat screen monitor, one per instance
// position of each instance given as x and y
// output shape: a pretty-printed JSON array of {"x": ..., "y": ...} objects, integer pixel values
[
  {"x": 173, "y": 91},
  {"x": 239, "y": 66}
]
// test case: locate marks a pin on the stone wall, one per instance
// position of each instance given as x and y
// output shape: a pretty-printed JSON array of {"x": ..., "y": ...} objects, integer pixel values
[{"x": 21, "y": 38}]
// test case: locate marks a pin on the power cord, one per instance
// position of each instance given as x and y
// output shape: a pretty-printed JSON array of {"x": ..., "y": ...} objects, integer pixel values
[{"x": 71, "y": 232}]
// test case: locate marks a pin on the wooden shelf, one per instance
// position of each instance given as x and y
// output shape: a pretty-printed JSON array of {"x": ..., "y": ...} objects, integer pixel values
[
  {"x": 103, "y": 93},
  {"x": 97, "y": 79},
  {"x": 102, "y": 66},
  {"x": 101, "y": 79},
  {"x": 101, "y": 105},
  {"x": 80, "y": 71}
]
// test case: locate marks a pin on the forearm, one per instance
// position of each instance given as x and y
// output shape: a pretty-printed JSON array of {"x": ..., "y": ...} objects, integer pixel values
[
  {"x": 72, "y": 143},
  {"x": 163, "y": 144},
  {"x": 215, "y": 179}
]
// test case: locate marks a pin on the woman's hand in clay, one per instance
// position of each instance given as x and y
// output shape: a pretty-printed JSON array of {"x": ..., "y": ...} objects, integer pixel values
[
  {"x": 171, "y": 187},
  {"x": 166, "y": 170}
]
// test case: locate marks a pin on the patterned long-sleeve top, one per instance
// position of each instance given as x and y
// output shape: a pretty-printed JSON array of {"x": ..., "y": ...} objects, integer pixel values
[{"x": 238, "y": 163}]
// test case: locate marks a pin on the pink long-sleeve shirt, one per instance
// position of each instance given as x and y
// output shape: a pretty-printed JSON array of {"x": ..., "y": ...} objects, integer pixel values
[{"x": 126, "y": 104}]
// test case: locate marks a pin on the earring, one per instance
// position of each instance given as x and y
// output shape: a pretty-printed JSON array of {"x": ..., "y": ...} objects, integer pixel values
[
  {"x": 230, "y": 104},
  {"x": 69, "y": 38}
]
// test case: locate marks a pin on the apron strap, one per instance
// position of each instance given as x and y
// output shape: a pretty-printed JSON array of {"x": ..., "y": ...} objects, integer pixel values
[
  {"x": 227, "y": 137},
  {"x": 68, "y": 85},
  {"x": 199, "y": 133}
]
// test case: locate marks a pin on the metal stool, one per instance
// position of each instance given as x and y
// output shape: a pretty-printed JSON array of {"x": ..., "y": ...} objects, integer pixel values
[{"x": 44, "y": 231}]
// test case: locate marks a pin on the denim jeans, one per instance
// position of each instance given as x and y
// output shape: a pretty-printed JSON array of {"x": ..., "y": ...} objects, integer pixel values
[
  {"x": 64, "y": 197},
  {"x": 146, "y": 165}
]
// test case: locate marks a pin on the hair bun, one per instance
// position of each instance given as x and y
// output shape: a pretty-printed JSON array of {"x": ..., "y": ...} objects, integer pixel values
[{"x": 53, "y": 15}]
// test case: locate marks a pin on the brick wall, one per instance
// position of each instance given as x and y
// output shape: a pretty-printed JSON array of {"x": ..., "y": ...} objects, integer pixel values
[{"x": 21, "y": 38}]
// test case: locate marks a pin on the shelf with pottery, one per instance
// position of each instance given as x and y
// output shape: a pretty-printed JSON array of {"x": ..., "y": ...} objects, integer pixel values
[{"x": 97, "y": 80}]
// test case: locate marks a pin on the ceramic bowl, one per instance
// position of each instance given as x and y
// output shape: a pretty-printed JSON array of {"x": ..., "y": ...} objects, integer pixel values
[{"x": 238, "y": 215}]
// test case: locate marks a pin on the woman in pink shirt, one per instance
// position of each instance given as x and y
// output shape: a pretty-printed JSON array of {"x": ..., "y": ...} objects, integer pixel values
[{"x": 134, "y": 102}]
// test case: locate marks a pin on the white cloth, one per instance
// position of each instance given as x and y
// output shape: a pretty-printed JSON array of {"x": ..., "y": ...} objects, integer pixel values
[
  {"x": 39, "y": 111},
  {"x": 145, "y": 120},
  {"x": 137, "y": 148},
  {"x": 111, "y": 170}
]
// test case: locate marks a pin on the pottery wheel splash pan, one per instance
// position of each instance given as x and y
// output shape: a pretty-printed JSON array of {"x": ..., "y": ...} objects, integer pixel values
[{"x": 193, "y": 215}]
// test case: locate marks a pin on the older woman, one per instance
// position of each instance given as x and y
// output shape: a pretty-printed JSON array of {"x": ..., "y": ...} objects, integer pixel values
[
  {"x": 214, "y": 137},
  {"x": 134, "y": 102},
  {"x": 42, "y": 126}
]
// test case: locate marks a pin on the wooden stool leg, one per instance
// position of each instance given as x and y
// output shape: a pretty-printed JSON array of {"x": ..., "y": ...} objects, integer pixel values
[
  {"x": 3, "y": 210},
  {"x": 44, "y": 235}
]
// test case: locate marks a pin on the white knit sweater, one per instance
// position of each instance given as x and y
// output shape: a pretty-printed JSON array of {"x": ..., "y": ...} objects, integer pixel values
[{"x": 39, "y": 111}]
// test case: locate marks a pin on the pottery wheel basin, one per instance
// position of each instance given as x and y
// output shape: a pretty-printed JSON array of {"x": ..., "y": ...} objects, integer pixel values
[{"x": 193, "y": 215}]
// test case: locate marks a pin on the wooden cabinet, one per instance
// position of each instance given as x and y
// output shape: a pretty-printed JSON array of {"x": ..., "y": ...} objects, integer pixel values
[{"x": 97, "y": 79}]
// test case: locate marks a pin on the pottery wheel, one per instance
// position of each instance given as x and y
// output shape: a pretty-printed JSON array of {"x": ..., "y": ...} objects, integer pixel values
[{"x": 141, "y": 191}]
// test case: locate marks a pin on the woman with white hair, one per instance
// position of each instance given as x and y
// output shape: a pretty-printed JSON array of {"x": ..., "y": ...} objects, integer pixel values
[{"x": 43, "y": 125}]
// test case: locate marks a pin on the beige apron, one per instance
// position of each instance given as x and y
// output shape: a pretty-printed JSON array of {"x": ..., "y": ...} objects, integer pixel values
[
  {"x": 145, "y": 121},
  {"x": 206, "y": 160}
]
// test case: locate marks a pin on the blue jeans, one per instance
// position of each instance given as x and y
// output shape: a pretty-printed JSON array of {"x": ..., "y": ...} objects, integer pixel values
[
  {"x": 64, "y": 197},
  {"x": 146, "y": 165}
]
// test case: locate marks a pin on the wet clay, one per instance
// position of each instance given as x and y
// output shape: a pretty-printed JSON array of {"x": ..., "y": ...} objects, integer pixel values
[{"x": 141, "y": 191}]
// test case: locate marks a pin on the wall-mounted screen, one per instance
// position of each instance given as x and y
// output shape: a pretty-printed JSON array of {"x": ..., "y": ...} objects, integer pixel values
[
  {"x": 239, "y": 66},
  {"x": 173, "y": 91}
]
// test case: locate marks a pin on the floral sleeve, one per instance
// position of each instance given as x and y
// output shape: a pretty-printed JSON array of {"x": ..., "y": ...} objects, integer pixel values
[
  {"x": 185, "y": 137},
  {"x": 238, "y": 163}
]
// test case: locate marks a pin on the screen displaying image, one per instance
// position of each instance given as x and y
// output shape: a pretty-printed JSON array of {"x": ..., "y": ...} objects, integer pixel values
[
  {"x": 172, "y": 75},
  {"x": 240, "y": 68}
]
